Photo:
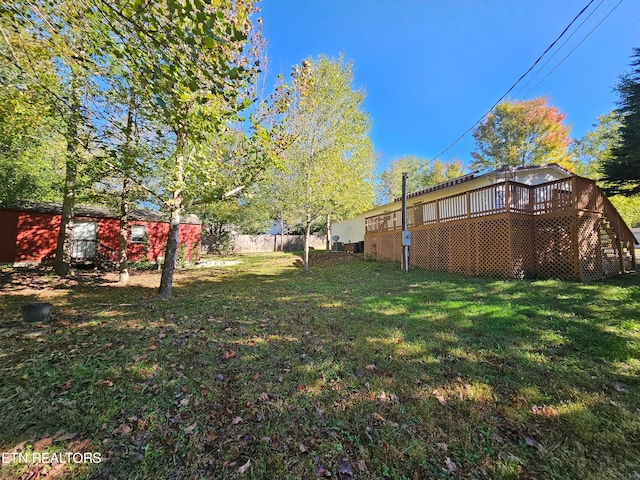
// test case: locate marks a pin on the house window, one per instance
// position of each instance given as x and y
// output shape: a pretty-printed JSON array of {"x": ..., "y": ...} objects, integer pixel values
[{"x": 138, "y": 233}]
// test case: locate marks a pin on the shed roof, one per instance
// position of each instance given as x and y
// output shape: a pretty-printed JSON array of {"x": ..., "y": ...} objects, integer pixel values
[{"x": 91, "y": 211}]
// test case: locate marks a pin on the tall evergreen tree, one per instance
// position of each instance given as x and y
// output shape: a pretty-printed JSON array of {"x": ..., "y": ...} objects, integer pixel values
[{"x": 622, "y": 170}]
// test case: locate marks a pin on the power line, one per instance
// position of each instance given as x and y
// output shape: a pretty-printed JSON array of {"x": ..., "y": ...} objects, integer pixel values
[
  {"x": 560, "y": 47},
  {"x": 517, "y": 81},
  {"x": 574, "y": 48}
]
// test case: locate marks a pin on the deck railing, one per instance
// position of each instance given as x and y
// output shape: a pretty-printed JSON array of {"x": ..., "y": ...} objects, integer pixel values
[{"x": 573, "y": 193}]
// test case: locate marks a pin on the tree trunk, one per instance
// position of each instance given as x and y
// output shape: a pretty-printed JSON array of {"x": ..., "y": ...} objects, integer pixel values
[
  {"x": 328, "y": 233},
  {"x": 123, "y": 263},
  {"x": 307, "y": 235},
  {"x": 64, "y": 246},
  {"x": 169, "y": 266}
]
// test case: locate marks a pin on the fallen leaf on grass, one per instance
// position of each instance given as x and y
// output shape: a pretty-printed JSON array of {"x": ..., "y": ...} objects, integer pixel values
[
  {"x": 344, "y": 468},
  {"x": 450, "y": 465},
  {"x": 63, "y": 437},
  {"x": 122, "y": 429},
  {"x": 242, "y": 469},
  {"x": 19, "y": 447},
  {"x": 362, "y": 466},
  {"x": 323, "y": 471},
  {"x": 371, "y": 367},
  {"x": 184, "y": 402},
  {"x": 385, "y": 398},
  {"x": 530, "y": 442},
  {"x": 136, "y": 457},
  {"x": 378, "y": 417},
  {"x": 277, "y": 446},
  {"x": 229, "y": 354},
  {"x": 42, "y": 443},
  {"x": 440, "y": 397},
  {"x": 190, "y": 429},
  {"x": 497, "y": 437},
  {"x": 302, "y": 448},
  {"x": 236, "y": 420},
  {"x": 255, "y": 377}
]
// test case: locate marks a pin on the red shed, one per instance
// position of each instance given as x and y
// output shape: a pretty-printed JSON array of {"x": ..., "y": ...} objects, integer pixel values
[{"x": 29, "y": 232}]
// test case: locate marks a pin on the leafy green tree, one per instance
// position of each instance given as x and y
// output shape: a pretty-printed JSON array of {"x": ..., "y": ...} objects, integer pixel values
[
  {"x": 622, "y": 169},
  {"x": 421, "y": 173},
  {"x": 520, "y": 133},
  {"x": 327, "y": 165},
  {"x": 189, "y": 65},
  {"x": 30, "y": 145},
  {"x": 64, "y": 30},
  {"x": 596, "y": 146},
  {"x": 194, "y": 65},
  {"x": 594, "y": 150}
]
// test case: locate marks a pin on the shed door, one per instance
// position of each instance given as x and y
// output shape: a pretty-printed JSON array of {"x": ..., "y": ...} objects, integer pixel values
[{"x": 84, "y": 240}]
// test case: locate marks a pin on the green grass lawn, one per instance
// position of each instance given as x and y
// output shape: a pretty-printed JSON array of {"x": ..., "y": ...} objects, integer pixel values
[{"x": 356, "y": 369}]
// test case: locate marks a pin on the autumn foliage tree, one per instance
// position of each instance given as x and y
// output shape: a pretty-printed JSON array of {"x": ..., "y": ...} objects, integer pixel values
[{"x": 520, "y": 133}]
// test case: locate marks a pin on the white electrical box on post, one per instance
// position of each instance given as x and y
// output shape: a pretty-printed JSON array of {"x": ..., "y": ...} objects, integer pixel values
[{"x": 406, "y": 236}]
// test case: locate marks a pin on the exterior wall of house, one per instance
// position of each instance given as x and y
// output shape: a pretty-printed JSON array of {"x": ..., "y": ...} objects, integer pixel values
[
  {"x": 32, "y": 236},
  {"x": 349, "y": 231}
]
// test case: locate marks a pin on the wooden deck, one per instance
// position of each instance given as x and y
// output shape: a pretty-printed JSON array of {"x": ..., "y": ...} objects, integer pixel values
[{"x": 561, "y": 229}]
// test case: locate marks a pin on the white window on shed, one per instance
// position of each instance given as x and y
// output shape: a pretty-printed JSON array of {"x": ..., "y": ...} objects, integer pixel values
[
  {"x": 138, "y": 233},
  {"x": 84, "y": 239}
]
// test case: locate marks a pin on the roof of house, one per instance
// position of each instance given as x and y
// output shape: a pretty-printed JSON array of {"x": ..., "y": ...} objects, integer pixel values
[
  {"x": 473, "y": 175},
  {"x": 143, "y": 215}
]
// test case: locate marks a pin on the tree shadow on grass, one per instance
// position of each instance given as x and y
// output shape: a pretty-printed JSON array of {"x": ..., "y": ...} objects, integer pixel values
[{"x": 280, "y": 369}]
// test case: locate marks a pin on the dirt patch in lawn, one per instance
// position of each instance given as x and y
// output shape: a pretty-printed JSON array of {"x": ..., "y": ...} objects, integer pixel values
[{"x": 323, "y": 259}]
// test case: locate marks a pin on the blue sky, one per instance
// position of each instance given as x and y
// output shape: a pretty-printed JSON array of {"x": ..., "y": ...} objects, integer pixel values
[{"x": 431, "y": 69}]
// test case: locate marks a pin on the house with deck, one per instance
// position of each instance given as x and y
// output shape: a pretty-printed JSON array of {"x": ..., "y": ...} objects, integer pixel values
[{"x": 525, "y": 222}]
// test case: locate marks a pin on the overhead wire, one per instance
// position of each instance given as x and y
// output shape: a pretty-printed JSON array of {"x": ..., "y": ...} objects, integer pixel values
[
  {"x": 559, "y": 48},
  {"x": 519, "y": 79},
  {"x": 574, "y": 48}
]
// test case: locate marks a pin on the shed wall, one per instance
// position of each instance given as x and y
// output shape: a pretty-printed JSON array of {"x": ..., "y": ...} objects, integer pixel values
[{"x": 32, "y": 237}]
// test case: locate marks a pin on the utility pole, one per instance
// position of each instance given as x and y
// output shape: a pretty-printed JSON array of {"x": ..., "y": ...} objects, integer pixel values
[{"x": 406, "y": 235}]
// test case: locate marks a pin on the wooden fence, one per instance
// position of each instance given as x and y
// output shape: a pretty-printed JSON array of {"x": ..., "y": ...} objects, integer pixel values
[
  {"x": 561, "y": 229},
  {"x": 265, "y": 243}
]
